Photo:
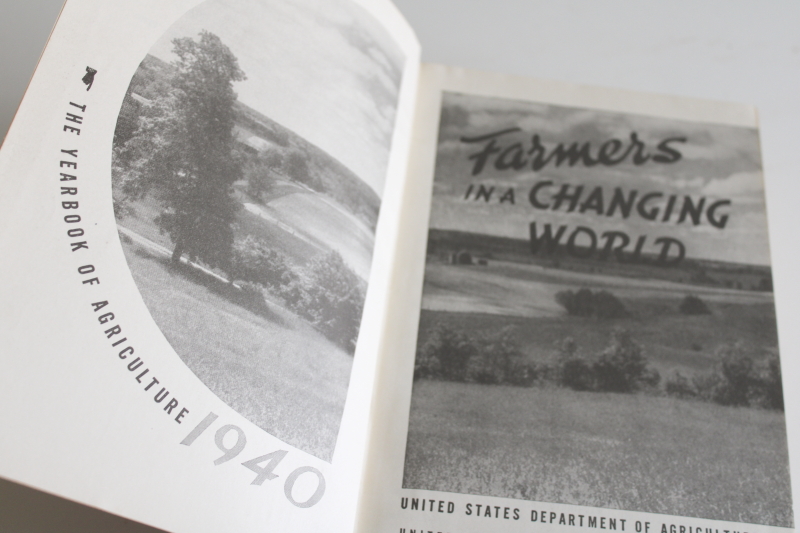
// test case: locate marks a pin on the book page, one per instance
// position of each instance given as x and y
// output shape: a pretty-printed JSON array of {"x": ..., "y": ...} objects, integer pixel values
[
  {"x": 192, "y": 193},
  {"x": 591, "y": 344}
]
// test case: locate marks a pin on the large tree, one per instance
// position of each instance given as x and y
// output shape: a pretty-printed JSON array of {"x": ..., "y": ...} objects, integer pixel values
[{"x": 184, "y": 151}]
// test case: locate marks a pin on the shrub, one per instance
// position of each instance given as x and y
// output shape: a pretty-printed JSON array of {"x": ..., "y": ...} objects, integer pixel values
[
  {"x": 567, "y": 348},
  {"x": 445, "y": 355},
  {"x": 576, "y": 303},
  {"x": 577, "y": 374},
  {"x": 481, "y": 368},
  {"x": 251, "y": 296},
  {"x": 584, "y": 302},
  {"x": 327, "y": 293},
  {"x": 524, "y": 374},
  {"x": 650, "y": 378},
  {"x": 679, "y": 386},
  {"x": 738, "y": 372},
  {"x": 607, "y": 305},
  {"x": 622, "y": 366},
  {"x": 255, "y": 262},
  {"x": 251, "y": 289},
  {"x": 295, "y": 165},
  {"x": 498, "y": 359},
  {"x": 708, "y": 386},
  {"x": 742, "y": 378},
  {"x": 693, "y": 305},
  {"x": 451, "y": 355},
  {"x": 260, "y": 171},
  {"x": 330, "y": 296},
  {"x": 573, "y": 371},
  {"x": 770, "y": 384}
]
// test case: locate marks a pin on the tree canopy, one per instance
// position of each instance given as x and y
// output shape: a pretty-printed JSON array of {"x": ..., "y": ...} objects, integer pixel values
[{"x": 184, "y": 150}]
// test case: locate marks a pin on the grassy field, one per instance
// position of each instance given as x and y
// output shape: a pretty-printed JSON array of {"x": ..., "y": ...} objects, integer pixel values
[
  {"x": 295, "y": 249},
  {"x": 263, "y": 361},
  {"x": 300, "y": 224},
  {"x": 480, "y": 301},
  {"x": 671, "y": 341},
  {"x": 331, "y": 224},
  {"x": 314, "y": 220},
  {"x": 633, "y": 452},
  {"x": 518, "y": 289}
]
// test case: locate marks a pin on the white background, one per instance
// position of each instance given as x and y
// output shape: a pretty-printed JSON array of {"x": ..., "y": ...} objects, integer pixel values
[{"x": 737, "y": 50}]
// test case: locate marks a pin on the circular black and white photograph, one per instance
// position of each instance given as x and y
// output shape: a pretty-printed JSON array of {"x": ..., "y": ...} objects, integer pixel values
[{"x": 249, "y": 159}]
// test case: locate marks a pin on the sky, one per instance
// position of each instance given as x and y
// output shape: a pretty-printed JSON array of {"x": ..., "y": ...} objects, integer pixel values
[
  {"x": 717, "y": 162},
  {"x": 326, "y": 70}
]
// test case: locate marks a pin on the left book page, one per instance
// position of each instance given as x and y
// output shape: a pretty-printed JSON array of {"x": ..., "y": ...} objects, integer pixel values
[{"x": 191, "y": 227}]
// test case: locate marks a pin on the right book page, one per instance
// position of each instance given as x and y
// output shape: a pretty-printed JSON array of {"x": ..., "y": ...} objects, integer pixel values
[{"x": 592, "y": 341}]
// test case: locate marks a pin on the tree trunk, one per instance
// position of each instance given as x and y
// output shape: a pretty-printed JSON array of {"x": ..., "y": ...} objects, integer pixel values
[{"x": 177, "y": 253}]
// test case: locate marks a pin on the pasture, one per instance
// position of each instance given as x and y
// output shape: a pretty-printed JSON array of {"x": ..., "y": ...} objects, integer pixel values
[
  {"x": 263, "y": 361},
  {"x": 322, "y": 223},
  {"x": 622, "y": 451},
  {"x": 299, "y": 223},
  {"x": 507, "y": 288},
  {"x": 481, "y": 301}
]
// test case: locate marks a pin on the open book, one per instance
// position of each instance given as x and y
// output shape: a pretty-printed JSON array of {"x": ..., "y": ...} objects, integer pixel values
[{"x": 265, "y": 271}]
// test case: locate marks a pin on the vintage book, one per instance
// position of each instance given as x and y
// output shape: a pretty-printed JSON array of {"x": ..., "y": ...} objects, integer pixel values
[{"x": 265, "y": 271}]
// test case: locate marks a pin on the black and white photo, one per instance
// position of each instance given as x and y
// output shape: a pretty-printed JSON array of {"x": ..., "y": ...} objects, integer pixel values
[
  {"x": 598, "y": 323},
  {"x": 250, "y": 155}
]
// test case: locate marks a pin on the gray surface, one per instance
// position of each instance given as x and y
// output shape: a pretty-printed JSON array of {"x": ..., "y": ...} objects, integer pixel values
[
  {"x": 743, "y": 51},
  {"x": 24, "y": 27},
  {"x": 746, "y": 51},
  {"x": 24, "y": 510}
]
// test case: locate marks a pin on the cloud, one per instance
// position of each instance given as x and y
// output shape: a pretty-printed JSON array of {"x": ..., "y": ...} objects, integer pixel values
[
  {"x": 694, "y": 182},
  {"x": 328, "y": 71},
  {"x": 737, "y": 185}
]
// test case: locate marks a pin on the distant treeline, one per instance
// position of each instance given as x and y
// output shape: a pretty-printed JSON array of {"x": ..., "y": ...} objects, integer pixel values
[
  {"x": 741, "y": 378},
  {"x": 319, "y": 170}
]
